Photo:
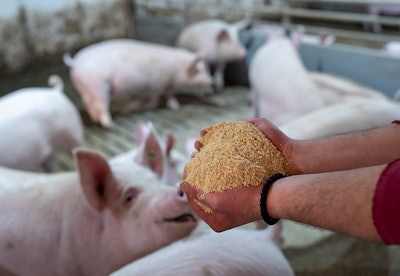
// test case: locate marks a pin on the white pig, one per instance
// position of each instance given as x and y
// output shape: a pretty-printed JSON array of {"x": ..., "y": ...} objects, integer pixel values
[
  {"x": 217, "y": 40},
  {"x": 36, "y": 122},
  {"x": 90, "y": 222},
  {"x": 132, "y": 70},
  {"x": 233, "y": 252},
  {"x": 351, "y": 115},
  {"x": 281, "y": 87},
  {"x": 159, "y": 156}
]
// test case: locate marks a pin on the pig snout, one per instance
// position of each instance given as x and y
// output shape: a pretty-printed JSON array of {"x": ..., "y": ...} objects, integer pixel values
[
  {"x": 181, "y": 196},
  {"x": 180, "y": 211}
]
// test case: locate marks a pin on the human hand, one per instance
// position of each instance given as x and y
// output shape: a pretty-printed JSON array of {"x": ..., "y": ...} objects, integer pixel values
[
  {"x": 226, "y": 209},
  {"x": 280, "y": 140}
]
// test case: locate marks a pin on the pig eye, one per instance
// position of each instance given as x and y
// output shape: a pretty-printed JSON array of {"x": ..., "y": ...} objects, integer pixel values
[
  {"x": 130, "y": 196},
  {"x": 129, "y": 199}
]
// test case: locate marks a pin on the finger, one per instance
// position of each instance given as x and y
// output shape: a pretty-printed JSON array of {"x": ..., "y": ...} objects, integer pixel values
[{"x": 197, "y": 145}]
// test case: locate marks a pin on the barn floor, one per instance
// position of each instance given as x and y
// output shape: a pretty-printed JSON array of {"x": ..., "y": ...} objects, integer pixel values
[{"x": 309, "y": 250}]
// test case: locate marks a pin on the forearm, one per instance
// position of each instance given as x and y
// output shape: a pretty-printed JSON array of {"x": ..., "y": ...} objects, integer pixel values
[
  {"x": 341, "y": 152},
  {"x": 338, "y": 201}
]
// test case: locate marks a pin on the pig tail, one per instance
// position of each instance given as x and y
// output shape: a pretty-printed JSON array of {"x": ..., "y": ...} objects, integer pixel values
[{"x": 263, "y": 199}]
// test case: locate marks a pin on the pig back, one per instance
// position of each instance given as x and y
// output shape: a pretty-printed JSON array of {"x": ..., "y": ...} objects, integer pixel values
[
  {"x": 129, "y": 66},
  {"x": 279, "y": 82},
  {"x": 203, "y": 37},
  {"x": 232, "y": 252}
]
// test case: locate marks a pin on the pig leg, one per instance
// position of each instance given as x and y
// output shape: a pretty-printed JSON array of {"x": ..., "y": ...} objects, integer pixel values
[
  {"x": 95, "y": 95},
  {"x": 172, "y": 102},
  {"x": 219, "y": 81}
]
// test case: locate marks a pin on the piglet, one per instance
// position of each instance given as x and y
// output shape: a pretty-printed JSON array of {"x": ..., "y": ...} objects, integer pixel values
[
  {"x": 35, "y": 123},
  {"x": 233, "y": 252},
  {"x": 281, "y": 88},
  {"x": 134, "y": 74},
  {"x": 90, "y": 222},
  {"x": 217, "y": 40},
  {"x": 158, "y": 155}
]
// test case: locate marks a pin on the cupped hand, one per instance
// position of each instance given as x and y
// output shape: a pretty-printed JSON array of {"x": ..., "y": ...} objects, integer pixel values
[
  {"x": 280, "y": 140},
  {"x": 227, "y": 209}
]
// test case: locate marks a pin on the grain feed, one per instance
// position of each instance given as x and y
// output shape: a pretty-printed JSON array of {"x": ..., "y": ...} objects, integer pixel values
[{"x": 233, "y": 154}]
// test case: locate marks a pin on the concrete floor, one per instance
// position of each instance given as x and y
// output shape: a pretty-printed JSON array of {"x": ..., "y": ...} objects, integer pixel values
[{"x": 310, "y": 251}]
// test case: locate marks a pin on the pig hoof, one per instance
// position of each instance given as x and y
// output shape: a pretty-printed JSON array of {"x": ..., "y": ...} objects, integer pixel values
[
  {"x": 173, "y": 104},
  {"x": 105, "y": 121}
]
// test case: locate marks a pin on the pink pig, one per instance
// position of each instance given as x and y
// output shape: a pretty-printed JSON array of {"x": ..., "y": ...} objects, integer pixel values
[
  {"x": 232, "y": 252},
  {"x": 130, "y": 71},
  {"x": 217, "y": 40},
  {"x": 36, "y": 122},
  {"x": 90, "y": 222},
  {"x": 281, "y": 88}
]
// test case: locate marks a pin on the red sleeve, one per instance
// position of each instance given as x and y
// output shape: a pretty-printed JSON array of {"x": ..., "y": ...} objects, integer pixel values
[{"x": 386, "y": 204}]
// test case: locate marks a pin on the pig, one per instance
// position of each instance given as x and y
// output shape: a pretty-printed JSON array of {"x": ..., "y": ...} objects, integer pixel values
[
  {"x": 35, "y": 123},
  {"x": 237, "y": 251},
  {"x": 87, "y": 222},
  {"x": 159, "y": 156},
  {"x": 216, "y": 40},
  {"x": 136, "y": 73},
  {"x": 355, "y": 114},
  {"x": 281, "y": 88}
]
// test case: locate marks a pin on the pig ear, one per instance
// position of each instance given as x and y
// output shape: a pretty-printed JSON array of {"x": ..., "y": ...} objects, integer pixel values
[
  {"x": 150, "y": 153},
  {"x": 95, "y": 177},
  {"x": 222, "y": 36},
  {"x": 142, "y": 130},
  {"x": 192, "y": 69}
]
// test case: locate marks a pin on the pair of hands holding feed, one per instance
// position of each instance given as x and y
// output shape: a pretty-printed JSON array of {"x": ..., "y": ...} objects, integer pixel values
[{"x": 233, "y": 207}]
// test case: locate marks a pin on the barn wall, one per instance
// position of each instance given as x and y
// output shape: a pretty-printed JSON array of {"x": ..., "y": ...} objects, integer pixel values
[{"x": 35, "y": 31}]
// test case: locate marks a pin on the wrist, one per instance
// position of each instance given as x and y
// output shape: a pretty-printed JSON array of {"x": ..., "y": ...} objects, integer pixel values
[
  {"x": 263, "y": 198},
  {"x": 275, "y": 198},
  {"x": 295, "y": 155}
]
